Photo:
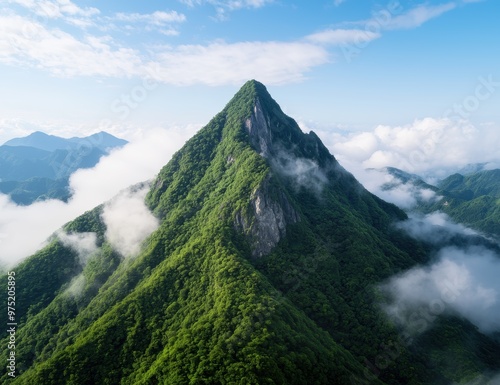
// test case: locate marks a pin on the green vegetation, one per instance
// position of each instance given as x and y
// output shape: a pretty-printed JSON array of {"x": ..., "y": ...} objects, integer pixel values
[
  {"x": 473, "y": 200},
  {"x": 195, "y": 306},
  {"x": 28, "y": 191}
]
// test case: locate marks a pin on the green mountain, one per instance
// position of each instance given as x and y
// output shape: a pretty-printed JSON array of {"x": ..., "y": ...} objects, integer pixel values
[
  {"x": 33, "y": 189},
  {"x": 38, "y": 166},
  {"x": 263, "y": 271},
  {"x": 406, "y": 178},
  {"x": 473, "y": 200}
]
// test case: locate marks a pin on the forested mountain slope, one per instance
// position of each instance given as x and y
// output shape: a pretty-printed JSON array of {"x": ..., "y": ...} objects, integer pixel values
[{"x": 263, "y": 270}]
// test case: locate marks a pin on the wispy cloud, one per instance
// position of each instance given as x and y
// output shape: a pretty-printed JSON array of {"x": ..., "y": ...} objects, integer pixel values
[
  {"x": 222, "y": 63},
  {"x": 59, "y": 9},
  {"x": 55, "y": 9},
  {"x": 29, "y": 43},
  {"x": 229, "y": 4},
  {"x": 224, "y": 6},
  {"x": 417, "y": 16},
  {"x": 34, "y": 42},
  {"x": 85, "y": 244},
  {"x": 360, "y": 33},
  {"x": 395, "y": 16},
  {"x": 342, "y": 36},
  {"x": 160, "y": 21}
]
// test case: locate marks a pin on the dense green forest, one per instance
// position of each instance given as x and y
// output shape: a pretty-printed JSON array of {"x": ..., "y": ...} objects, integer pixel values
[
  {"x": 473, "y": 200},
  {"x": 264, "y": 270}
]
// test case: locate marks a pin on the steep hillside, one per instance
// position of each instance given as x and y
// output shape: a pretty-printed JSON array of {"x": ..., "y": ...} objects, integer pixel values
[
  {"x": 263, "y": 270},
  {"x": 473, "y": 200}
]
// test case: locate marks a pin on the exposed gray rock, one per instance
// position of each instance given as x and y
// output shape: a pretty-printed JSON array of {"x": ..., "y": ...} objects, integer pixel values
[
  {"x": 259, "y": 131},
  {"x": 266, "y": 220}
]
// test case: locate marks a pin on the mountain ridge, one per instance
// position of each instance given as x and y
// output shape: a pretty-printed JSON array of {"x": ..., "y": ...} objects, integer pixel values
[
  {"x": 38, "y": 166},
  {"x": 209, "y": 299},
  {"x": 46, "y": 142}
]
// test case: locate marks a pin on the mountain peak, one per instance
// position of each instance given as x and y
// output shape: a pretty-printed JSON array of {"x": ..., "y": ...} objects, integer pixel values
[
  {"x": 248, "y": 279},
  {"x": 270, "y": 131}
]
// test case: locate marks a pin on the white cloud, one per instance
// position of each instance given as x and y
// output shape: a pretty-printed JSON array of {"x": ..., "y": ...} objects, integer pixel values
[
  {"x": 417, "y": 16},
  {"x": 128, "y": 221},
  {"x": 304, "y": 172},
  {"x": 85, "y": 244},
  {"x": 343, "y": 36},
  {"x": 55, "y": 9},
  {"x": 463, "y": 282},
  {"x": 224, "y": 63},
  {"x": 160, "y": 21},
  {"x": 27, "y": 42},
  {"x": 32, "y": 42},
  {"x": 392, "y": 189},
  {"x": 155, "y": 18},
  {"x": 229, "y": 4},
  {"x": 395, "y": 16},
  {"x": 223, "y": 6},
  {"x": 23, "y": 229},
  {"x": 460, "y": 280},
  {"x": 436, "y": 228},
  {"x": 426, "y": 146},
  {"x": 65, "y": 10},
  {"x": 76, "y": 286}
]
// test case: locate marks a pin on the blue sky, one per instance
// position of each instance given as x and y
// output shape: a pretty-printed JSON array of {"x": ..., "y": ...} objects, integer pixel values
[{"x": 75, "y": 67}]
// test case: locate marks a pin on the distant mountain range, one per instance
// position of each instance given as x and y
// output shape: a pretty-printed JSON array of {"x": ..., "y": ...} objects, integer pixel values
[
  {"x": 38, "y": 166},
  {"x": 264, "y": 267},
  {"x": 42, "y": 141},
  {"x": 471, "y": 197}
]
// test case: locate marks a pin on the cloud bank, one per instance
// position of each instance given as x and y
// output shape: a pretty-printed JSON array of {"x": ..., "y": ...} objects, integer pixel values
[
  {"x": 24, "y": 229},
  {"x": 461, "y": 280},
  {"x": 128, "y": 221},
  {"x": 422, "y": 147},
  {"x": 392, "y": 189},
  {"x": 432, "y": 148}
]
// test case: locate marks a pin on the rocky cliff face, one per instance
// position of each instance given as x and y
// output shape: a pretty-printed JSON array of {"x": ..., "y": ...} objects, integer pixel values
[
  {"x": 258, "y": 128},
  {"x": 269, "y": 212},
  {"x": 266, "y": 220}
]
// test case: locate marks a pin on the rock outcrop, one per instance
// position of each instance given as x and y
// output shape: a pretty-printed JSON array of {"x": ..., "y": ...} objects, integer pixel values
[{"x": 266, "y": 219}]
